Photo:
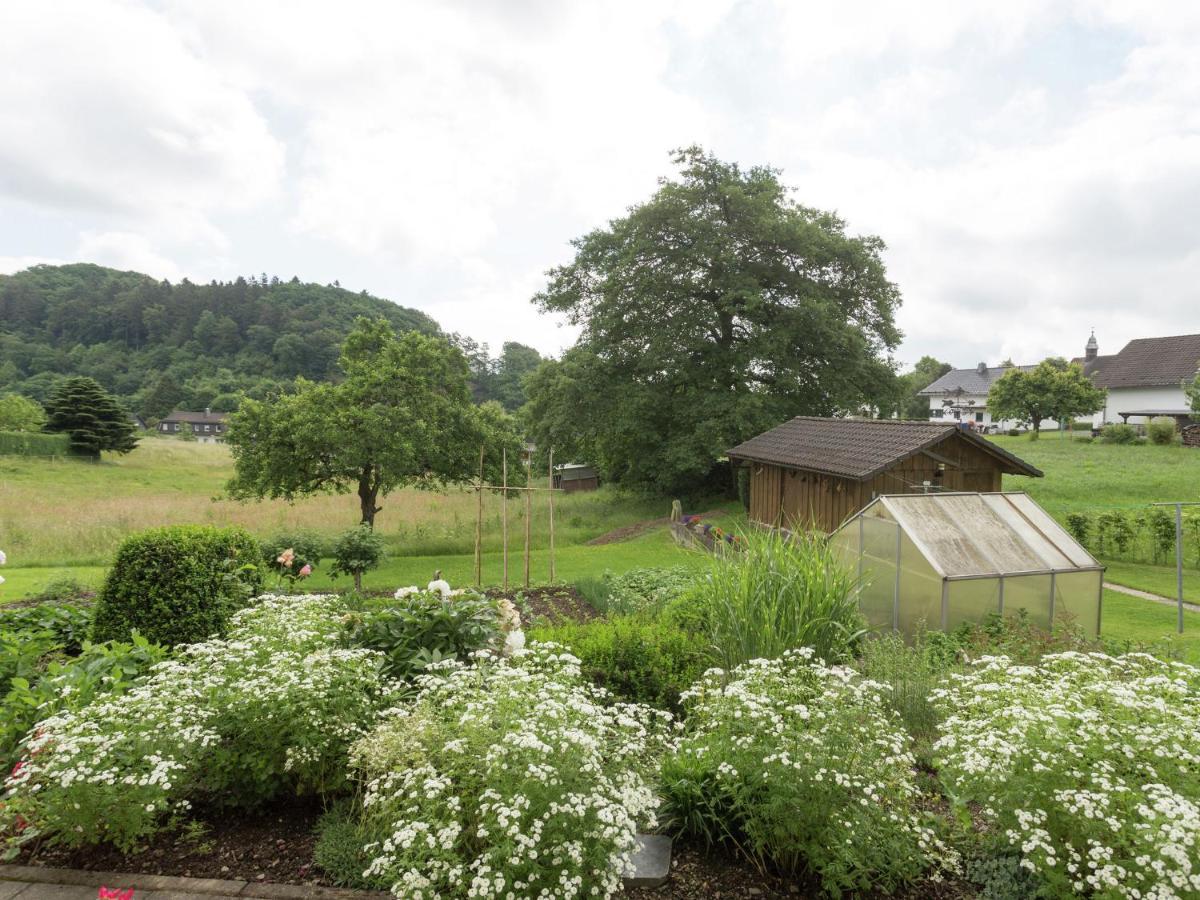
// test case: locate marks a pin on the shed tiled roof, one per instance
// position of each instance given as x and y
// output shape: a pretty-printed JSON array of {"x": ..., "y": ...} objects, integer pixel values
[
  {"x": 1150, "y": 362},
  {"x": 859, "y": 448},
  {"x": 969, "y": 381}
]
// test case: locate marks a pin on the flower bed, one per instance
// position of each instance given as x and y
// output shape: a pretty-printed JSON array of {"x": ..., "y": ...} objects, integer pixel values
[{"x": 1086, "y": 767}]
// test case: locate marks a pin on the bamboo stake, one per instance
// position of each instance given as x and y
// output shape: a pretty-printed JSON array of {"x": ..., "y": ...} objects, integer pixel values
[
  {"x": 504, "y": 511},
  {"x": 528, "y": 516},
  {"x": 479, "y": 527},
  {"x": 551, "y": 467}
]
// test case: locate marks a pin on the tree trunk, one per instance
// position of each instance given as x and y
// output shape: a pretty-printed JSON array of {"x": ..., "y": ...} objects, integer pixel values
[
  {"x": 368, "y": 493},
  {"x": 358, "y": 582}
]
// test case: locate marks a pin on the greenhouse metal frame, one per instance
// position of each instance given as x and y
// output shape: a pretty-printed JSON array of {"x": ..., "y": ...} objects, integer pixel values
[{"x": 948, "y": 558}]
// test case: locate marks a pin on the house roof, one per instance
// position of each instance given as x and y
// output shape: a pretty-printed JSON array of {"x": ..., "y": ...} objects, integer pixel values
[
  {"x": 977, "y": 535},
  {"x": 183, "y": 415},
  {"x": 1150, "y": 362},
  {"x": 969, "y": 381},
  {"x": 860, "y": 448}
]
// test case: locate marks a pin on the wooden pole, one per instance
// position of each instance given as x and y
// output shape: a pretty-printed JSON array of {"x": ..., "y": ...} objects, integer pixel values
[
  {"x": 551, "y": 467},
  {"x": 479, "y": 527},
  {"x": 528, "y": 515},
  {"x": 504, "y": 511}
]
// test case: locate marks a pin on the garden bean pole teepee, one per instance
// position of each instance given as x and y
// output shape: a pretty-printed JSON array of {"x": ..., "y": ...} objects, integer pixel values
[
  {"x": 1179, "y": 551},
  {"x": 505, "y": 490}
]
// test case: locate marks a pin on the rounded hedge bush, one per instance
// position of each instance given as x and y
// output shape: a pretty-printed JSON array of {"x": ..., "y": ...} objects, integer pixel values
[{"x": 178, "y": 585}]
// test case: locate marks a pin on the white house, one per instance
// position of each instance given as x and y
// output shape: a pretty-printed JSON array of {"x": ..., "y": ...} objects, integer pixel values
[
  {"x": 1148, "y": 378},
  {"x": 961, "y": 396}
]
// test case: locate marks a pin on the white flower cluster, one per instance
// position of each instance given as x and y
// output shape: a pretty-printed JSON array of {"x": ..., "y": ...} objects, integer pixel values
[
  {"x": 1088, "y": 766},
  {"x": 509, "y": 778},
  {"x": 803, "y": 766},
  {"x": 273, "y": 706}
]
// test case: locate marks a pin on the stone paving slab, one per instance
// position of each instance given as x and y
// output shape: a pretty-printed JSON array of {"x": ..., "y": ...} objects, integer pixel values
[
  {"x": 651, "y": 862},
  {"x": 42, "y": 883}
]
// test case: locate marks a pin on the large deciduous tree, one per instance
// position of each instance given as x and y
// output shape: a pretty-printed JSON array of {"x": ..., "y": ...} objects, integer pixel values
[
  {"x": 927, "y": 370},
  {"x": 90, "y": 416},
  {"x": 717, "y": 309},
  {"x": 1053, "y": 389},
  {"x": 401, "y": 415}
]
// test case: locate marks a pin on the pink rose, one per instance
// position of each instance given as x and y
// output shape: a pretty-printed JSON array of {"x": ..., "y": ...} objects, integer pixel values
[{"x": 305, "y": 570}]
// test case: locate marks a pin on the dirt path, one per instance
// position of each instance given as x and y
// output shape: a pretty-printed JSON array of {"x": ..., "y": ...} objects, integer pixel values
[{"x": 626, "y": 532}]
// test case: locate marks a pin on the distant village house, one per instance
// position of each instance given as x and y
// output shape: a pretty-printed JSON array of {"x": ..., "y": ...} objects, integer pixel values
[
  {"x": 208, "y": 426},
  {"x": 1148, "y": 379},
  {"x": 961, "y": 395}
]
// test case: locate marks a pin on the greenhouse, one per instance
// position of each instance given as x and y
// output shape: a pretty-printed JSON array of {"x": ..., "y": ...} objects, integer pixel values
[{"x": 944, "y": 559}]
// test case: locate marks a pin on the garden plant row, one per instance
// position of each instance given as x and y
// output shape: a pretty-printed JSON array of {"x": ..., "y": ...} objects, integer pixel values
[{"x": 464, "y": 749}]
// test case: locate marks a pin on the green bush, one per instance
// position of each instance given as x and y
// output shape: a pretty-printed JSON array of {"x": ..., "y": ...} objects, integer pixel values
[
  {"x": 417, "y": 628},
  {"x": 29, "y": 443},
  {"x": 801, "y": 768},
  {"x": 178, "y": 585},
  {"x": 911, "y": 671},
  {"x": 308, "y": 549},
  {"x": 70, "y": 684},
  {"x": 1079, "y": 525},
  {"x": 1118, "y": 434},
  {"x": 357, "y": 551},
  {"x": 1162, "y": 431},
  {"x": 639, "y": 661},
  {"x": 777, "y": 594},
  {"x": 643, "y": 590},
  {"x": 340, "y": 853}
]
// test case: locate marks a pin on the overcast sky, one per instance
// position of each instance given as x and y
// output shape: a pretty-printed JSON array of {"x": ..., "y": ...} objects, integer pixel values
[{"x": 1033, "y": 166}]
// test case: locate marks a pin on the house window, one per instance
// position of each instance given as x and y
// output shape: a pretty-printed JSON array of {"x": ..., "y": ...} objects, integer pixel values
[
  {"x": 208, "y": 428},
  {"x": 978, "y": 417},
  {"x": 176, "y": 426}
]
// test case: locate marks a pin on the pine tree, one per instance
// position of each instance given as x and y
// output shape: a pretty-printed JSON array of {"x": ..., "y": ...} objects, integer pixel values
[{"x": 91, "y": 416}]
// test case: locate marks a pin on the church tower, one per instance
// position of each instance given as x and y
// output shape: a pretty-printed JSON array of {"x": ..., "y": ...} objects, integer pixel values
[{"x": 1091, "y": 349}]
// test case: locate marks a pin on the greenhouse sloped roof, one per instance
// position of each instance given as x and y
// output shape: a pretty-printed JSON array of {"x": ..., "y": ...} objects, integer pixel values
[{"x": 986, "y": 534}]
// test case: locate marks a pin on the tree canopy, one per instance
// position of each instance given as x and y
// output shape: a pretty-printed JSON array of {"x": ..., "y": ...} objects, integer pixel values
[
  {"x": 1193, "y": 392},
  {"x": 90, "y": 416},
  {"x": 1053, "y": 389},
  {"x": 400, "y": 415},
  {"x": 19, "y": 413},
  {"x": 156, "y": 345},
  {"x": 717, "y": 309},
  {"x": 909, "y": 404},
  {"x": 499, "y": 378}
]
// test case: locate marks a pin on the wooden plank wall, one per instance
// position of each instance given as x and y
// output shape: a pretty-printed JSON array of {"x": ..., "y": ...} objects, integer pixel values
[{"x": 802, "y": 499}]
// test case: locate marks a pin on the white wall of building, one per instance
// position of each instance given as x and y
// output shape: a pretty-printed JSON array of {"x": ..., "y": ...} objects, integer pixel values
[
  {"x": 1125, "y": 399},
  {"x": 973, "y": 408}
]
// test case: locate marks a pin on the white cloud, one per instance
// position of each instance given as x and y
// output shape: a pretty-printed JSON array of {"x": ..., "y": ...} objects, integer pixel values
[{"x": 1034, "y": 166}]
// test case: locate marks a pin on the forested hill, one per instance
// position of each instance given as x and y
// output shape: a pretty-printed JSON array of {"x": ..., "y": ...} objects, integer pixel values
[{"x": 159, "y": 345}]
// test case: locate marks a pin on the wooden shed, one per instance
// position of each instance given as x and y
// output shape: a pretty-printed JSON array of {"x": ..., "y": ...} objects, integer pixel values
[{"x": 814, "y": 473}]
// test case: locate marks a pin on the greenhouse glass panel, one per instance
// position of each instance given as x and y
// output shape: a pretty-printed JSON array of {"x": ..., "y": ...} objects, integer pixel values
[
  {"x": 1037, "y": 552},
  {"x": 845, "y": 546},
  {"x": 1064, "y": 545},
  {"x": 972, "y": 600},
  {"x": 920, "y": 590},
  {"x": 877, "y": 596},
  {"x": 1077, "y": 597},
  {"x": 1031, "y": 593}
]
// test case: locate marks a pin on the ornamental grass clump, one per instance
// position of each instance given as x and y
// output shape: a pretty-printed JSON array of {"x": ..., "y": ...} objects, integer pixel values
[
  {"x": 1085, "y": 766},
  {"x": 779, "y": 593},
  {"x": 801, "y": 768},
  {"x": 268, "y": 711},
  {"x": 508, "y": 778}
]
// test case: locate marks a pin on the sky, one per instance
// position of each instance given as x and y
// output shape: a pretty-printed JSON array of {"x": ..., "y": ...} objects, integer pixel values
[{"x": 1032, "y": 165}]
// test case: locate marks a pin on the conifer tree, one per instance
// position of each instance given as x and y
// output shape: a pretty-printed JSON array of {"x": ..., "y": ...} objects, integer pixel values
[{"x": 91, "y": 416}]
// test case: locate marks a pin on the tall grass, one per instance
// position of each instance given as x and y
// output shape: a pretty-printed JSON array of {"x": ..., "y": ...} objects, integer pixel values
[
  {"x": 28, "y": 443},
  {"x": 777, "y": 594}
]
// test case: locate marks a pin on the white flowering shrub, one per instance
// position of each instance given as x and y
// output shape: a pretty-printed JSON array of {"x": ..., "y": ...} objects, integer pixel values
[
  {"x": 1087, "y": 766},
  {"x": 508, "y": 778},
  {"x": 273, "y": 707},
  {"x": 801, "y": 767}
]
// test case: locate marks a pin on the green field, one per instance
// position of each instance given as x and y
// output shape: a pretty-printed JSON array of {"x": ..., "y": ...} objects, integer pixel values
[{"x": 65, "y": 518}]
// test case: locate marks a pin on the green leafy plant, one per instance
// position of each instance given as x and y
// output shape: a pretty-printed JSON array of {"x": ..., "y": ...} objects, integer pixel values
[
  {"x": 357, "y": 551},
  {"x": 779, "y": 593},
  {"x": 307, "y": 549},
  {"x": 639, "y": 591},
  {"x": 1080, "y": 526},
  {"x": 1162, "y": 431},
  {"x": 640, "y": 661},
  {"x": 1118, "y": 434},
  {"x": 341, "y": 849},
  {"x": 802, "y": 768},
  {"x": 419, "y": 628},
  {"x": 173, "y": 585}
]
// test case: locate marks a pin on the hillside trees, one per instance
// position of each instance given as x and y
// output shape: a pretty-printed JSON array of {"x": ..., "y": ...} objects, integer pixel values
[
  {"x": 716, "y": 309},
  {"x": 924, "y": 373},
  {"x": 90, "y": 416},
  {"x": 127, "y": 331},
  {"x": 400, "y": 415},
  {"x": 1193, "y": 393},
  {"x": 1053, "y": 389}
]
